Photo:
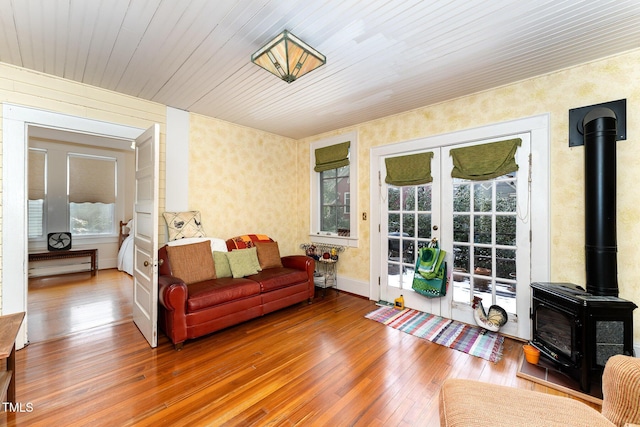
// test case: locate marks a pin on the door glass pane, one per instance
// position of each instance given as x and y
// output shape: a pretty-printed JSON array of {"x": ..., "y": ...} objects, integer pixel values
[
  {"x": 408, "y": 198},
  {"x": 485, "y": 241},
  {"x": 461, "y": 228},
  {"x": 409, "y": 228},
  {"x": 407, "y": 251},
  {"x": 393, "y": 197},
  {"x": 424, "y": 226},
  {"x": 394, "y": 223},
  {"x": 505, "y": 196},
  {"x": 506, "y": 230},
  {"x": 461, "y": 197},
  {"x": 409, "y": 224},
  {"x": 424, "y": 198},
  {"x": 483, "y": 232},
  {"x": 482, "y": 200}
]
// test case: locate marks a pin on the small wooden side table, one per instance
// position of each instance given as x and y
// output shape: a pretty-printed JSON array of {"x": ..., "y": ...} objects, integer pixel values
[{"x": 9, "y": 327}]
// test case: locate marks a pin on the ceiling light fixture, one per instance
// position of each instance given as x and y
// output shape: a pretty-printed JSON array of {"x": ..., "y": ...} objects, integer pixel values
[{"x": 288, "y": 57}]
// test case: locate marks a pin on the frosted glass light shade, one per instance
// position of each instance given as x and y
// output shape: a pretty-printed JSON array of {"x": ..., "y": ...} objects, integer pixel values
[{"x": 288, "y": 57}]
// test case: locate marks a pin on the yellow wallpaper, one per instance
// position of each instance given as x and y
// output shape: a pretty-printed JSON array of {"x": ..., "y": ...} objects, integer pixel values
[
  {"x": 601, "y": 81},
  {"x": 243, "y": 181}
]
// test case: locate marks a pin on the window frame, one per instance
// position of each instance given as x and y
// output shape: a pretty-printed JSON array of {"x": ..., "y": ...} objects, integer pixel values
[
  {"x": 43, "y": 216},
  {"x": 78, "y": 154},
  {"x": 58, "y": 151},
  {"x": 315, "y": 232}
]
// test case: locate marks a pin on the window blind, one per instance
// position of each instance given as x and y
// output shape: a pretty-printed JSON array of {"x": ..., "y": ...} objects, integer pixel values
[
  {"x": 37, "y": 182},
  {"x": 414, "y": 169},
  {"x": 332, "y": 157},
  {"x": 485, "y": 161},
  {"x": 92, "y": 179}
]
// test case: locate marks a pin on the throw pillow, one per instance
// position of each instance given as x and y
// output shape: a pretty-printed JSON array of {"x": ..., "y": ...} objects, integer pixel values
[
  {"x": 243, "y": 262},
  {"x": 192, "y": 263},
  {"x": 268, "y": 254},
  {"x": 246, "y": 241},
  {"x": 223, "y": 269},
  {"x": 184, "y": 224}
]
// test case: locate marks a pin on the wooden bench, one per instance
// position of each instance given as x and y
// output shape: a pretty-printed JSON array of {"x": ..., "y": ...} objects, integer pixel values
[{"x": 74, "y": 253}]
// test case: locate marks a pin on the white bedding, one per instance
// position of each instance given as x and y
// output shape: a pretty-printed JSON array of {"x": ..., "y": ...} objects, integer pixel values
[{"x": 125, "y": 255}]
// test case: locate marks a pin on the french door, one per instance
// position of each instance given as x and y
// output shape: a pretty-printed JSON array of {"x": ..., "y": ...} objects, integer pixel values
[{"x": 482, "y": 225}]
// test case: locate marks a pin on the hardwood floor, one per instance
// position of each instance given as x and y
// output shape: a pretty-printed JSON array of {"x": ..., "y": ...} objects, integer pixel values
[
  {"x": 321, "y": 364},
  {"x": 67, "y": 303}
]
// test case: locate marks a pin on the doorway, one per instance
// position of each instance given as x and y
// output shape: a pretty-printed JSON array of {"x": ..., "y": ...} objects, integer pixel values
[
  {"x": 16, "y": 123},
  {"x": 409, "y": 217}
]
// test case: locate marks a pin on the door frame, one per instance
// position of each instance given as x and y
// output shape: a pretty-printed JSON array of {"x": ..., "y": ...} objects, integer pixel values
[
  {"x": 536, "y": 126},
  {"x": 16, "y": 120}
]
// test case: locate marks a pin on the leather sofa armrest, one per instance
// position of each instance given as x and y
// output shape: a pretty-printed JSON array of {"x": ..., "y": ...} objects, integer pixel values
[
  {"x": 304, "y": 263},
  {"x": 299, "y": 262},
  {"x": 172, "y": 293}
]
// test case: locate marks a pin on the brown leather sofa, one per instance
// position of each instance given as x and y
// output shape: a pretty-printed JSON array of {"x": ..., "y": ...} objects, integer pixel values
[{"x": 187, "y": 311}]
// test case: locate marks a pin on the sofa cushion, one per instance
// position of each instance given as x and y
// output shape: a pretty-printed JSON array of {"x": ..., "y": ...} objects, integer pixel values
[
  {"x": 184, "y": 224},
  {"x": 192, "y": 263},
  {"x": 621, "y": 390},
  {"x": 279, "y": 277},
  {"x": 473, "y": 403},
  {"x": 268, "y": 254},
  {"x": 223, "y": 269},
  {"x": 213, "y": 292},
  {"x": 243, "y": 262}
]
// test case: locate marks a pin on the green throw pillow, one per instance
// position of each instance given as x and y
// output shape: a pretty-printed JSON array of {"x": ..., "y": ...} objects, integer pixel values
[
  {"x": 243, "y": 262},
  {"x": 223, "y": 269}
]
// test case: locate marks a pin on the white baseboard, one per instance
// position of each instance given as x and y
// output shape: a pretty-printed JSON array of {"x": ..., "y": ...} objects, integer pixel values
[
  {"x": 636, "y": 348},
  {"x": 353, "y": 286}
]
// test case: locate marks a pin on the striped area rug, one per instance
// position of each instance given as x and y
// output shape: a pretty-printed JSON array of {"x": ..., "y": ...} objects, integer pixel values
[{"x": 449, "y": 333}]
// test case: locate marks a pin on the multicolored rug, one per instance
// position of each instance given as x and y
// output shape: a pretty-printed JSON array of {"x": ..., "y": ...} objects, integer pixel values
[{"x": 449, "y": 333}]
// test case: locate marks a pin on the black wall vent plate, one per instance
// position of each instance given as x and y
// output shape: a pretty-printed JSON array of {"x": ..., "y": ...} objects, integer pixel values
[{"x": 576, "y": 116}]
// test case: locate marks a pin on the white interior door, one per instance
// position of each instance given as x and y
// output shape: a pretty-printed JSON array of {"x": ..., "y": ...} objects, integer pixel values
[{"x": 145, "y": 252}]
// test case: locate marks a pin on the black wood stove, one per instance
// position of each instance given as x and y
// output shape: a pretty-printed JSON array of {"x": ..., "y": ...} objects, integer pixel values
[{"x": 579, "y": 329}]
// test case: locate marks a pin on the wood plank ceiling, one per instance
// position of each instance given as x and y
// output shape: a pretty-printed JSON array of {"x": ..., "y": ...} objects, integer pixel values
[{"x": 383, "y": 56}]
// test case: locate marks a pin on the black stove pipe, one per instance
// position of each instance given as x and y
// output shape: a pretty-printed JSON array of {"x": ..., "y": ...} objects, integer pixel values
[{"x": 600, "y": 129}]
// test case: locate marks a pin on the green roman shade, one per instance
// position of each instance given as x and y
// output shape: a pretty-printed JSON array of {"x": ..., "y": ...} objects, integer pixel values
[
  {"x": 332, "y": 157},
  {"x": 485, "y": 161},
  {"x": 414, "y": 169}
]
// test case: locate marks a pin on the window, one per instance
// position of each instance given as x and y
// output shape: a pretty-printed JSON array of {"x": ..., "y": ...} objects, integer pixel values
[
  {"x": 37, "y": 192},
  {"x": 333, "y": 185},
  {"x": 333, "y": 191},
  {"x": 92, "y": 194},
  {"x": 77, "y": 188}
]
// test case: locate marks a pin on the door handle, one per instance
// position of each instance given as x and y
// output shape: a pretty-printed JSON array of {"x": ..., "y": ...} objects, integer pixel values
[{"x": 146, "y": 263}]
